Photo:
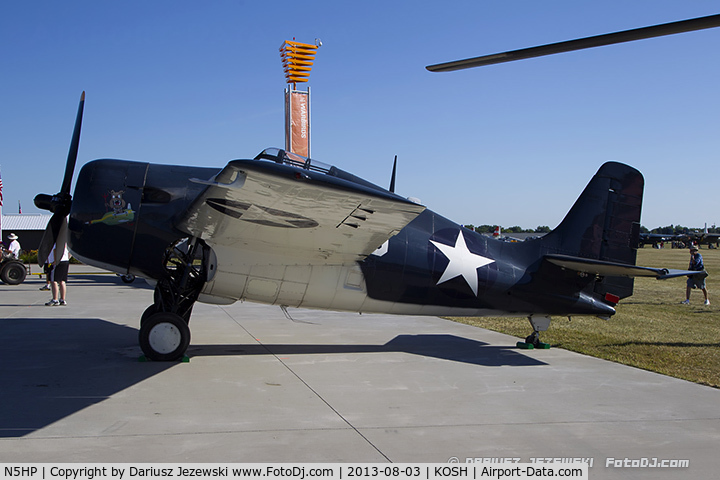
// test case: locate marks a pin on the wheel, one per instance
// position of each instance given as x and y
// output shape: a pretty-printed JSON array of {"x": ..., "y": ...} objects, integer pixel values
[
  {"x": 13, "y": 273},
  {"x": 149, "y": 312},
  {"x": 155, "y": 308},
  {"x": 533, "y": 339},
  {"x": 164, "y": 337},
  {"x": 127, "y": 278}
]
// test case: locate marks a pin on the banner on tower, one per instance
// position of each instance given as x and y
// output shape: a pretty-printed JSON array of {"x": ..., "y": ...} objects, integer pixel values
[{"x": 297, "y": 122}]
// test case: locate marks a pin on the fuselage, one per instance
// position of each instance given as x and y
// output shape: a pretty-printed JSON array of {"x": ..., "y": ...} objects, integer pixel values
[{"x": 125, "y": 215}]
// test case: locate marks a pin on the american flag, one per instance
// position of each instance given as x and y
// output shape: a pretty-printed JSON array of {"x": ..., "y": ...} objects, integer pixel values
[{"x": 0, "y": 190}]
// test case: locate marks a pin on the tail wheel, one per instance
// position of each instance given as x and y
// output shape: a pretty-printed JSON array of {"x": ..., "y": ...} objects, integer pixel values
[{"x": 164, "y": 337}]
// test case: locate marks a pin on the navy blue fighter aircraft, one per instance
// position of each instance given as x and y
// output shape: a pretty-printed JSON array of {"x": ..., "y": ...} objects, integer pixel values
[{"x": 287, "y": 230}]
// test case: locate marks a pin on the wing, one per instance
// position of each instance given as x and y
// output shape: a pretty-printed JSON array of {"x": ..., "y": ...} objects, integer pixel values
[{"x": 314, "y": 217}]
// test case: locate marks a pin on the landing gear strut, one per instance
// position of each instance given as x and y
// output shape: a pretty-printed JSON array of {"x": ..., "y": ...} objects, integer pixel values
[
  {"x": 164, "y": 331},
  {"x": 540, "y": 323}
]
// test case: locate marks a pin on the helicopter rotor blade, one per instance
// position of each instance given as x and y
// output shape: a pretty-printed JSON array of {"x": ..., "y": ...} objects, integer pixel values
[{"x": 672, "y": 28}]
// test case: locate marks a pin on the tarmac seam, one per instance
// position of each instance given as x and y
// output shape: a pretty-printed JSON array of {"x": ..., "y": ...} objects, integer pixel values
[
  {"x": 310, "y": 388},
  {"x": 514, "y": 424},
  {"x": 327, "y": 429}
]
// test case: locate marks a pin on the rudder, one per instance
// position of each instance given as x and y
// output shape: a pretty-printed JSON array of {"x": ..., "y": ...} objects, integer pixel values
[{"x": 604, "y": 223}]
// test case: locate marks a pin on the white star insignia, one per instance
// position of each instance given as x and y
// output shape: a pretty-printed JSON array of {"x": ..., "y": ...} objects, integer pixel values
[
  {"x": 382, "y": 249},
  {"x": 462, "y": 262}
]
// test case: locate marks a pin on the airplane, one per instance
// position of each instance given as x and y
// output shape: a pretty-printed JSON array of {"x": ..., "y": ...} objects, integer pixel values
[
  {"x": 497, "y": 234},
  {"x": 654, "y": 239},
  {"x": 702, "y": 238},
  {"x": 291, "y": 231},
  {"x": 712, "y": 240}
]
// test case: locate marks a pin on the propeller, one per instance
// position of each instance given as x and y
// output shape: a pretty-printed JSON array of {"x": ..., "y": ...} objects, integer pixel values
[
  {"x": 682, "y": 26},
  {"x": 60, "y": 203}
]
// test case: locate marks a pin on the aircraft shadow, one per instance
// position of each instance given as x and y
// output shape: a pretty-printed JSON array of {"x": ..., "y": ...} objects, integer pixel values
[
  {"x": 54, "y": 367},
  {"x": 106, "y": 279},
  {"x": 91, "y": 278},
  {"x": 441, "y": 346}
]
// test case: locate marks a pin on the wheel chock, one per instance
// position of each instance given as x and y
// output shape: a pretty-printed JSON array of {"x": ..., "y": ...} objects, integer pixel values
[{"x": 543, "y": 346}]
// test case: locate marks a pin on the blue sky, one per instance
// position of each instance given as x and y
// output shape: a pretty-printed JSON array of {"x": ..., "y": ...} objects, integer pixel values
[{"x": 201, "y": 83}]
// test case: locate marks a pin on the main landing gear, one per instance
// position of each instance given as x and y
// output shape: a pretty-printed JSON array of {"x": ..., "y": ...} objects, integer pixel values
[
  {"x": 540, "y": 323},
  {"x": 164, "y": 331}
]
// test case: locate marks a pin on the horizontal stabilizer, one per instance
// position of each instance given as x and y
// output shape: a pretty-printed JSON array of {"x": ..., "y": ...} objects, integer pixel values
[
  {"x": 613, "y": 269},
  {"x": 680, "y": 273}
]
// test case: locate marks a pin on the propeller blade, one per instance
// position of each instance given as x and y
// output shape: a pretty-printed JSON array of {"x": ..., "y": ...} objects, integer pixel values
[
  {"x": 56, "y": 225},
  {"x": 672, "y": 28},
  {"x": 74, "y": 144},
  {"x": 60, "y": 203}
]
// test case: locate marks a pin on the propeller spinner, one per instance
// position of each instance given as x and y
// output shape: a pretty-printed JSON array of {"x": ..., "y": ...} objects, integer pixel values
[
  {"x": 60, "y": 203},
  {"x": 682, "y": 26}
]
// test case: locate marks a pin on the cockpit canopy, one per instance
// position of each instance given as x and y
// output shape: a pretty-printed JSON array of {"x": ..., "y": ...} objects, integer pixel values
[
  {"x": 283, "y": 157},
  {"x": 278, "y": 155}
]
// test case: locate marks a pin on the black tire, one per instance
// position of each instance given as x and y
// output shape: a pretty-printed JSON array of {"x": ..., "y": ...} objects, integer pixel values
[
  {"x": 155, "y": 308},
  {"x": 127, "y": 278},
  {"x": 164, "y": 337},
  {"x": 149, "y": 312},
  {"x": 13, "y": 273}
]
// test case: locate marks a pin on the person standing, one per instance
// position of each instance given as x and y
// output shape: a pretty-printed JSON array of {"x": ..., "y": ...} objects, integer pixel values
[
  {"x": 48, "y": 268},
  {"x": 58, "y": 276},
  {"x": 60, "y": 266},
  {"x": 696, "y": 281}
]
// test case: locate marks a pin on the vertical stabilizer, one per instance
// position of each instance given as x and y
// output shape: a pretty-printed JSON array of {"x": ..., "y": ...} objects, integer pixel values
[{"x": 604, "y": 223}]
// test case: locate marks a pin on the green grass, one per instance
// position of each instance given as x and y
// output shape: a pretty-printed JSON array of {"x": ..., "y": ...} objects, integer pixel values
[{"x": 651, "y": 330}]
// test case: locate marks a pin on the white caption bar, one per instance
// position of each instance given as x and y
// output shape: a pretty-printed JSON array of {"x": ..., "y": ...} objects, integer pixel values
[{"x": 290, "y": 471}]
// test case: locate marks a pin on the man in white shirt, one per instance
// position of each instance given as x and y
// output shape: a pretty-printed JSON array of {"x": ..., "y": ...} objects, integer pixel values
[{"x": 14, "y": 247}]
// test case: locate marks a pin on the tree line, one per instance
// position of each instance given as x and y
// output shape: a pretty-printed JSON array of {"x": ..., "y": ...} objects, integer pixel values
[{"x": 668, "y": 230}]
